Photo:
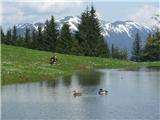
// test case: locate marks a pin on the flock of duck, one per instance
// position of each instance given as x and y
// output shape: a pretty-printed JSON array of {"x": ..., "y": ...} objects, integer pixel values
[{"x": 100, "y": 92}]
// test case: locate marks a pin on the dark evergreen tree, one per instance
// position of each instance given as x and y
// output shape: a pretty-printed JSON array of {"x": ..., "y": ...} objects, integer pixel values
[
  {"x": 137, "y": 49},
  {"x": 27, "y": 41},
  {"x": 46, "y": 37},
  {"x": 75, "y": 47},
  {"x": 20, "y": 41},
  {"x": 106, "y": 49},
  {"x": 152, "y": 48},
  {"x": 34, "y": 44},
  {"x": 119, "y": 53},
  {"x": 40, "y": 41},
  {"x": 65, "y": 40},
  {"x": 82, "y": 33},
  {"x": 9, "y": 37},
  {"x": 124, "y": 54},
  {"x": 96, "y": 40},
  {"x": 52, "y": 34},
  {"x": 14, "y": 35},
  {"x": 112, "y": 51},
  {"x": 89, "y": 35},
  {"x": 102, "y": 49},
  {"x": 3, "y": 40}
]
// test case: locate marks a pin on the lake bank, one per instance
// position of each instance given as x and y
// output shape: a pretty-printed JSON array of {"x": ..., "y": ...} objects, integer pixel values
[{"x": 21, "y": 65}]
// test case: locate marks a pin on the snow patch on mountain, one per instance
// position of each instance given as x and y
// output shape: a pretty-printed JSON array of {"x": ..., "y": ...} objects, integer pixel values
[
  {"x": 119, "y": 33},
  {"x": 73, "y": 21}
]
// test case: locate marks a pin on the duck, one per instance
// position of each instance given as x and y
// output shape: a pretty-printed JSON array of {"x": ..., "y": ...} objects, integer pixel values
[
  {"x": 77, "y": 93},
  {"x": 102, "y": 92}
]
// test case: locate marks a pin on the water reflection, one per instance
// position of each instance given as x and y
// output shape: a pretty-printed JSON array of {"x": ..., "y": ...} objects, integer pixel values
[
  {"x": 131, "y": 95},
  {"x": 152, "y": 68},
  {"x": 89, "y": 78},
  {"x": 50, "y": 83},
  {"x": 67, "y": 80}
]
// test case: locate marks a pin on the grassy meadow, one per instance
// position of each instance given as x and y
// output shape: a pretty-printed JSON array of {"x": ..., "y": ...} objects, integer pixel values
[{"x": 19, "y": 65}]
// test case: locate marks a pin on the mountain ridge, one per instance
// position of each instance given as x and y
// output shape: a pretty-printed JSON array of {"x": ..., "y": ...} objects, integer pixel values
[{"x": 119, "y": 33}]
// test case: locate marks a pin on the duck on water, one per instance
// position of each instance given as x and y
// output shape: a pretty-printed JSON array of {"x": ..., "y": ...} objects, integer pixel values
[
  {"x": 75, "y": 93},
  {"x": 102, "y": 92}
]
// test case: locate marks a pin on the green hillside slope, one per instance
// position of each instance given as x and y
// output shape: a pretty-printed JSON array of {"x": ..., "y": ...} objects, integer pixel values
[{"x": 25, "y": 65}]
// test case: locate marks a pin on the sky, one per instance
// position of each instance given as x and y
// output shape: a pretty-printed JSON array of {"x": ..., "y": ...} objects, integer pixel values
[{"x": 31, "y": 11}]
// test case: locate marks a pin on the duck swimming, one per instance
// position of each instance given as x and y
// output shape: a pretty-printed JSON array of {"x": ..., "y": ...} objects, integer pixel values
[
  {"x": 102, "y": 92},
  {"x": 76, "y": 93}
]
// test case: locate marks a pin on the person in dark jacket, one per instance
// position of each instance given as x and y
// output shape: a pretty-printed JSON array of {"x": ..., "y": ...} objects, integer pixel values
[{"x": 53, "y": 60}]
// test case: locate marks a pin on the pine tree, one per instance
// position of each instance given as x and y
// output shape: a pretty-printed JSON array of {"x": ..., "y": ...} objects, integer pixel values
[
  {"x": 89, "y": 35},
  {"x": 52, "y": 34},
  {"x": 27, "y": 38},
  {"x": 46, "y": 37},
  {"x": 20, "y": 41},
  {"x": 14, "y": 35},
  {"x": 2, "y": 36},
  {"x": 112, "y": 51},
  {"x": 124, "y": 54},
  {"x": 34, "y": 44},
  {"x": 40, "y": 43},
  {"x": 106, "y": 49},
  {"x": 117, "y": 52},
  {"x": 82, "y": 33},
  {"x": 75, "y": 47},
  {"x": 102, "y": 49},
  {"x": 65, "y": 40},
  {"x": 152, "y": 48},
  {"x": 9, "y": 37},
  {"x": 137, "y": 49},
  {"x": 96, "y": 40}
]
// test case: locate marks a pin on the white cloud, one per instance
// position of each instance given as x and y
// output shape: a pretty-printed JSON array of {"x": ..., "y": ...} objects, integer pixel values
[
  {"x": 49, "y": 5},
  {"x": 20, "y": 12},
  {"x": 81, "y": 0},
  {"x": 50, "y": 1},
  {"x": 145, "y": 16}
]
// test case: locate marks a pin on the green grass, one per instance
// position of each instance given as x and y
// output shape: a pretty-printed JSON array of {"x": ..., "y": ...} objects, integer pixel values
[{"x": 20, "y": 65}]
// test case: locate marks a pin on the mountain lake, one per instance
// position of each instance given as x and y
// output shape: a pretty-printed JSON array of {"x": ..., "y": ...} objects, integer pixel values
[{"x": 132, "y": 95}]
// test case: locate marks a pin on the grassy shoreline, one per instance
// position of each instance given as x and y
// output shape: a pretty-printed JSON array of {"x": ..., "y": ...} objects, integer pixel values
[{"x": 19, "y": 65}]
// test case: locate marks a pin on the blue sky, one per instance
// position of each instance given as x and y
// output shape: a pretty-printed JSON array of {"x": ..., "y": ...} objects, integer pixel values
[{"x": 18, "y": 11}]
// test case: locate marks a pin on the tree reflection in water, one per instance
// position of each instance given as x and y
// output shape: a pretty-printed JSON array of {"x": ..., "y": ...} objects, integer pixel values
[{"x": 89, "y": 78}]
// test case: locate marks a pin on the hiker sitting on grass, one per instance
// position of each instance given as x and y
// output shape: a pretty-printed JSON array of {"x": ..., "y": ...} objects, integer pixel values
[{"x": 53, "y": 60}]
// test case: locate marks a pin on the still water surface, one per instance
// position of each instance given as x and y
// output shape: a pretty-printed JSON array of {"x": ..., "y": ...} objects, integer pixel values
[{"x": 131, "y": 95}]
